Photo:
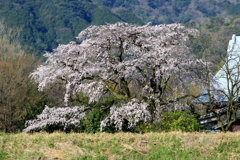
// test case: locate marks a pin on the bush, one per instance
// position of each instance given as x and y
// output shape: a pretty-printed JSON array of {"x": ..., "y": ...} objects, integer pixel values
[
  {"x": 171, "y": 121},
  {"x": 179, "y": 120},
  {"x": 146, "y": 127},
  {"x": 93, "y": 120}
]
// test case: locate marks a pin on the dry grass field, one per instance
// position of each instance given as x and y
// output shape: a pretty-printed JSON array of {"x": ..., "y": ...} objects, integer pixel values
[{"x": 100, "y": 146}]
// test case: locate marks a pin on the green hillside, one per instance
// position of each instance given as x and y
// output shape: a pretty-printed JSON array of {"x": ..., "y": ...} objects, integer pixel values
[
  {"x": 46, "y": 23},
  {"x": 168, "y": 11}
]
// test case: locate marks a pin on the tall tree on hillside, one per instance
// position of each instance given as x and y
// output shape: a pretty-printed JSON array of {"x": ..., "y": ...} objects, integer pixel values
[
  {"x": 115, "y": 59},
  {"x": 16, "y": 90}
]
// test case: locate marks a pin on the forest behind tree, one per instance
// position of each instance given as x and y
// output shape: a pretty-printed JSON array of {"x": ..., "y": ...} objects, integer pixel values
[
  {"x": 45, "y": 24},
  {"x": 169, "y": 11}
]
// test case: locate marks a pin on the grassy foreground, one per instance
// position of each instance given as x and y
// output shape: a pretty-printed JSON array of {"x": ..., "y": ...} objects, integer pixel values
[{"x": 74, "y": 146}]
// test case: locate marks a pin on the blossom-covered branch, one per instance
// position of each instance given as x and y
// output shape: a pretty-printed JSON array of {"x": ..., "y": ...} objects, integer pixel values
[
  {"x": 134, "y": 112},
  {"x": 62, "y": 117}
]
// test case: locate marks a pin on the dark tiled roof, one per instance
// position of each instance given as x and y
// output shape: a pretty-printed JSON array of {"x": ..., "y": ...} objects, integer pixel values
[{"x": 210, "y": 115}]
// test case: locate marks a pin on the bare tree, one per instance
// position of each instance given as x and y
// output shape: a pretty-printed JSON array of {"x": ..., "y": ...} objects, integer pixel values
[
  {"x": 224, "y": 88},
  {"x": 15, "y": 86}
]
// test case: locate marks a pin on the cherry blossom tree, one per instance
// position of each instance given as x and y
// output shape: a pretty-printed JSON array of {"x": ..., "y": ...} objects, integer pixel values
[{"x": 138, "y": 64}]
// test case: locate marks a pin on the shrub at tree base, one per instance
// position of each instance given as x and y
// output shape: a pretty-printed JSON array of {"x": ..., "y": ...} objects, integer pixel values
[
  {"x": 179, "y": 121},
  {"x": 93, "y": 120}
]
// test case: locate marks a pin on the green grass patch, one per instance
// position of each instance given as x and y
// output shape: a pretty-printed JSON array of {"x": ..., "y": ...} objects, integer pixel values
[
  {"x": 3, "y": 154},
  {"x": 120, "y": 146}
]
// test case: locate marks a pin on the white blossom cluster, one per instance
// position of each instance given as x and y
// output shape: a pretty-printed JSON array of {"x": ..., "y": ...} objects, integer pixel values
[
  {"x": 112, "y": 57},
  {"x": 94, "y": 90},
  {"x": 62, "y": 117},
  {"x": 134, "y": 112}
]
